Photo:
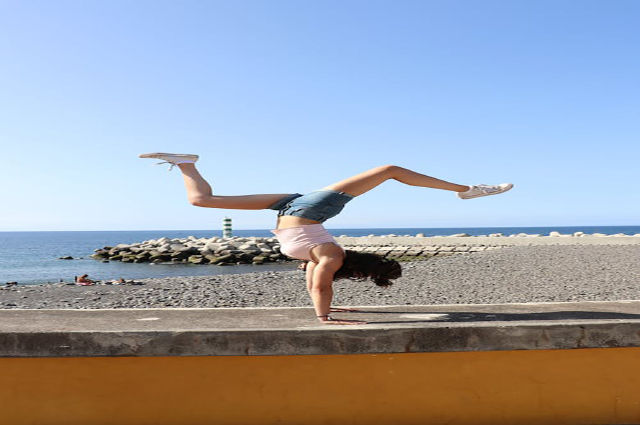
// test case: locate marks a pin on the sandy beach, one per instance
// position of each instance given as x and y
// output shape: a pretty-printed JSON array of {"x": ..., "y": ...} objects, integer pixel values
[{"x": 516, "y": 274}]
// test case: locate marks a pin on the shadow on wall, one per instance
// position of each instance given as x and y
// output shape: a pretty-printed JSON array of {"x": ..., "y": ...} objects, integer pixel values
[{"x": 457, "y": 317}]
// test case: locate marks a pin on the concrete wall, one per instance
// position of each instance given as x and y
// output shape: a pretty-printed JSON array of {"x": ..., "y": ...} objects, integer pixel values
[
  {"x": 584, "y": 386},
  {"x": 555, "y": 363}
]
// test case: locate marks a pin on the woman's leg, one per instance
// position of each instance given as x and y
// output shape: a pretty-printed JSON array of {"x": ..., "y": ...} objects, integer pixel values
[
  {"x": 364, "y": 182},
  {"x": 199, "y": 193}
]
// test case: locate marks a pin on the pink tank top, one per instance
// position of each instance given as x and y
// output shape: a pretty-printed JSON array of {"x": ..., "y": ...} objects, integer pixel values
[{"x": 297, "y": 242}]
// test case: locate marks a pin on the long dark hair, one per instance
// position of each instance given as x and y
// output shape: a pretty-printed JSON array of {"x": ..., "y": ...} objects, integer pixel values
[{"x": 363, "y": 265}]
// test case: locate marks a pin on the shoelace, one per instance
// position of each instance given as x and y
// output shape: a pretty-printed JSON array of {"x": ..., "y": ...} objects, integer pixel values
[
  {"x": 487, "y": 189},
  {"x": 173, "y": 164}
]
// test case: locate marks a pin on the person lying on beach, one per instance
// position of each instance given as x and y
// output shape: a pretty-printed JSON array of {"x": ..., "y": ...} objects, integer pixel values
[
  {"x": 122, "y": 281},
  {"x": 84, "y": 280},
  {"x": 299, "y": 226}
]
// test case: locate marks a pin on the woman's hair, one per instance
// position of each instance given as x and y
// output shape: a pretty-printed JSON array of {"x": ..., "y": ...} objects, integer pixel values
[{"x": 362, "y": 265}]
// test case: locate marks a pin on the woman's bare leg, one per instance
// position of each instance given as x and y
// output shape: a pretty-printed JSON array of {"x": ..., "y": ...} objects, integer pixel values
[
  {"x": 364, "y": 182},
  {"x": 199, "y": 194}
]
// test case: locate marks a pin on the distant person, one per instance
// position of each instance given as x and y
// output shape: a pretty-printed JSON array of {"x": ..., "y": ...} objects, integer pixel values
[
  {"x": 299, "y": 227},
  {"x": 84, "y": 280}
]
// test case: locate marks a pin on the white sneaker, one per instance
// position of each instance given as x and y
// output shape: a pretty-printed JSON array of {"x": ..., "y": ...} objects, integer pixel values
[
  {"x": 485, "y": 190},
  {"x": 171, "y": 158}
]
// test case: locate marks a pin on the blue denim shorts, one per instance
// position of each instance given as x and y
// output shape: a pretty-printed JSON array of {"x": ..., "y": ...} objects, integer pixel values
[{"x": 319, "y": 205}]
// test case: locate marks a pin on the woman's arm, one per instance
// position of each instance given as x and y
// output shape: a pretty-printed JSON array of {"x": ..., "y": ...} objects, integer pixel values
[
  {"x": 309, "y": 267},
  {"x": 321, "y": 290},
  {"x": 320, "y": 282}
]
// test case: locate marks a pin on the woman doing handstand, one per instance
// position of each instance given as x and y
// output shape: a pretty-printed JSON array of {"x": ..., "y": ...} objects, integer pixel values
[{"x": 299, "y": 227}]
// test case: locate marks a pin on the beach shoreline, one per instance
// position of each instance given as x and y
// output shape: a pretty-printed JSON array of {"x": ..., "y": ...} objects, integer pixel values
[
  {"x": 33, "y": 257},
  {"x": 516, "y": 274}
]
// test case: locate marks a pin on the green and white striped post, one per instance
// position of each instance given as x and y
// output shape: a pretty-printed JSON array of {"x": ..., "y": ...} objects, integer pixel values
[{"x": 227, "y": 230}]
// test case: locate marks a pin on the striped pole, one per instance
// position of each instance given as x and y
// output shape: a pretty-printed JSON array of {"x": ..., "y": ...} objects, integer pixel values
[{"x": 227, "y": 231}]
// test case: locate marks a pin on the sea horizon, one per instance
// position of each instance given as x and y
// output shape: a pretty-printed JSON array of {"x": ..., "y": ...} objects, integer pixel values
[{"x": 594, "y": 226}]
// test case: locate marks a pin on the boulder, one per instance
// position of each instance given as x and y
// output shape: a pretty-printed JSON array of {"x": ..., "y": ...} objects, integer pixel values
[
  {"x": 164, "y": 248},
  {"x": 191, "y": 250},
  {"x": 196, "y": 259},
  {"x": 159, "y": 258},
  {"x": 220, "y": 259},
  {"x": 211, "y": 246},
  {"x": 260, "y": 259}
]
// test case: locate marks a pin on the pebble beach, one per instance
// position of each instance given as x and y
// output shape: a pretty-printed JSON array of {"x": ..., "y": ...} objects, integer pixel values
[{"x": 514, "y": 274}]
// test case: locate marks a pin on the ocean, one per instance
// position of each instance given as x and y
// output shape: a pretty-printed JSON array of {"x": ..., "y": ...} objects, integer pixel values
[{"x": 32, "y": 257}]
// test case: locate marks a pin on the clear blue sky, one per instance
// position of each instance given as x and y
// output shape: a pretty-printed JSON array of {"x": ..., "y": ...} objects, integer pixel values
[{"x": 289, "y": 96}]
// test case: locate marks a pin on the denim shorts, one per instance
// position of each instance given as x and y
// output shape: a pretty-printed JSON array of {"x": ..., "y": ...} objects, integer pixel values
[{"x": 319, "y": 205}]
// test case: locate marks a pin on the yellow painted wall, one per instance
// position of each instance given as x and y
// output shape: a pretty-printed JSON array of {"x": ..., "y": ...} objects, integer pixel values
[{"x": 591, "y": 386}]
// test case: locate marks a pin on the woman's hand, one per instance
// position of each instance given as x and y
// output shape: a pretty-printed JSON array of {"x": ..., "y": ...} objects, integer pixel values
[{"x": 328, "y": 320}]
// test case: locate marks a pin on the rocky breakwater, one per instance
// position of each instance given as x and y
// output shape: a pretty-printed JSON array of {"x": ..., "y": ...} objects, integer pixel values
[
  {"x": 254, "y": 250},
  {"x": 218, "y": 251}
]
